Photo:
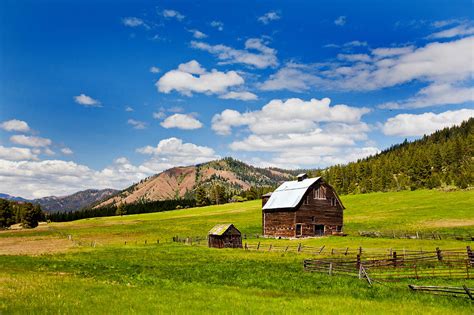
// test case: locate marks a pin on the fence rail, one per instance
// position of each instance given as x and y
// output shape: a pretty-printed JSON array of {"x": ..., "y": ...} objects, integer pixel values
[
  {"x": 455, "y": 291},
  {"x": 427, "y": 235}
]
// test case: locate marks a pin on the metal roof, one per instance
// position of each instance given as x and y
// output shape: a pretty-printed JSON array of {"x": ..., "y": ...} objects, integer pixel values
[
  {"x": 219, "y": 229},
  {"x": 289, "y": 194}
]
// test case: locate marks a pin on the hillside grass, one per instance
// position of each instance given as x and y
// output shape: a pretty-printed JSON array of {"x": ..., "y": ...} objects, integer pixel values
[{"x": 176, "y": 278}]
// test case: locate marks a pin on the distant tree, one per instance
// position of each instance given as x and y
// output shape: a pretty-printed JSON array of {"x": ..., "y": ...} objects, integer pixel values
[
  {"x": 121, "y": 210},
  {"x": 31, "y": 215},
  {"x": 6, "y": 213},
  {"x": 201, "y": 197}
]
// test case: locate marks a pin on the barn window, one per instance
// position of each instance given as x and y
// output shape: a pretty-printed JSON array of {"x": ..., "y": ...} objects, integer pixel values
[
  {"x": 333, "y": 202},
  {"x": 338, "y": 228},
  {"x": 318, "y": 193}
]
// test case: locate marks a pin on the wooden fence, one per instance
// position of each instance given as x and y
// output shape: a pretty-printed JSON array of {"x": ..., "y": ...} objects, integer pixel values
[
  {"x": 454, "y": 291},
  {"x": 426, "y": 235},
  {"x": 454, "y": 263}
]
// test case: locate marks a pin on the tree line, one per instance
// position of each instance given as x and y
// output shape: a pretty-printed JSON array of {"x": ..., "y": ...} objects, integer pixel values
[
  {"x": 122, "y": 209},
  {"x": 13, "y": 212}
]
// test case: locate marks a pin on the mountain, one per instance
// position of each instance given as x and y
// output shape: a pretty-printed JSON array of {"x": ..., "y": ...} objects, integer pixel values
[
  {"x": 68, "y": 203},
  {"x": 181, "y": 182},
  {"x": 12, "y": 198}
]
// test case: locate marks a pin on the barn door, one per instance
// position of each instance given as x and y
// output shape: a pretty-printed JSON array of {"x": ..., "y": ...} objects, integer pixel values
[
  {"x": 318, "y": 229},
  {"x": 298, "y": 229}
]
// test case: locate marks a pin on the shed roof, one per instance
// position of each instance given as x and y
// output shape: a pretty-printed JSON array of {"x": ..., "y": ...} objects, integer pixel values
[
  {"x": 219, "y": 229},
  {"x": 289, "y": 194}
]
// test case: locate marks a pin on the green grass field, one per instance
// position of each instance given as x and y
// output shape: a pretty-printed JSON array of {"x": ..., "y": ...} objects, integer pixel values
[{"x": 176, "y": 278}]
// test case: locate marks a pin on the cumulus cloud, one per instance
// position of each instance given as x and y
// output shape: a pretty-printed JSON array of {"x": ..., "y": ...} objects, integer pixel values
[
  {"x": 191, "y": 78},
  {"x": 197, "y": 34},
  {"x": 129, "y": 109},
  {"x": 173, "y": 14},
  {"x": 137, "y": 124},
  {"x": 30, "y": 141},
  {"x": 154, "y": 69},
  {"x": 256, "y": 53},
  {"x": 426, "y": 123},
  {"x": 181, "y": 121},
  {"x": 340, "y": 21},
  {"x": 242, "y": 95},
  {"x": 34, "y": 179},
  {"x": 287, "y": 116},
  {"x": 268, "y": 17},
  {"x": 16, "y": 154},
  {"x": 218, "y": 25},
  {"x": 174, "y": 152},
  {"x": 15, "y": 125},
  {"x": 87, "y": 101},
  {"x": 313, "y": 131}
]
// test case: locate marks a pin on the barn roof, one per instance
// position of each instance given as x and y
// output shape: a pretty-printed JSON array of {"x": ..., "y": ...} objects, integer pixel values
[
  {"x": 289, "y": 194},
  {"x": 268, "y": 194},
  {"x": 219, "y": 229}
]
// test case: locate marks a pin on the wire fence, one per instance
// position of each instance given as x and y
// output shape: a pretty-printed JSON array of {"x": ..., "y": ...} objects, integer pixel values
[{"x": 426, "y": 235}]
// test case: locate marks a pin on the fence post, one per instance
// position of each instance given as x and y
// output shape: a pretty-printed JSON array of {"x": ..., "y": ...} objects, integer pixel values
[
  {"x": 246, "y": 246},
  {"x": 358, "y": 263},
  {"x": 394, "y": 255},
  {"x": 299, "y": 247},
  {"x": 146, "y": 241},
  {"x": 125, "y": 242},
  {"x": 330, "y": 269},
  {"x": 321, "y": 249},
  {"x": 270, "y": 247},
  {"x": 438, "y": 253},
  {"x": 347, "y": 249},
  {"x": 286, "y": 249},
  {"x": 332, "y": 251},
  {"x": 258, "y": 246},
  {"x": 360, "y": 250},
  {"x": 157, "y": 241},
  {"x": 470, "y": 255}
]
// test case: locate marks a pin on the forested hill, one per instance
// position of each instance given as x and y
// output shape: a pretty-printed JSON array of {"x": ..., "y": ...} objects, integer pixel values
[{"x": 444, "y": 158}]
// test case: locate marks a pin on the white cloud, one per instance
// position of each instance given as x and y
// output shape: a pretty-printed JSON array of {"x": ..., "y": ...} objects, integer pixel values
[
  {"x": 217, "y": 24},
  {"x": 34, "y": 179},
  {"x": 434, "y": 95},
  {"x": 137, "y": 124},
  {"x": 457, "y": 31},
  {"x": 16, "y": 154},
  {"x": 129, "y": 109},
  {"x": 268, "y": 17},
  {"x": 86, "y": 100},
  {"x": 256, "y": 53},
  {"x": 15, "y": 125},
  {"x": 173, "y": 152},
  {"x": 286, "y": 116},
  {"x": 67, "y": 151},
  {"x": 173, "y": 14},
  {"x": 181, "y": 121},
  {"x": 426, "y": 123},
  {"x": 48, "y": 151},
  {"x": 197, "y": 34},
  {"x": 191, "y": 77},
  {"x": 303, "y": 133},
  {"x": 133, "y": 22},
  {"x": 243, "y": 96},
  {"x": 436, "y": 64},
  {"x": 30, "y": 141},
  {"x": 154, "y": 69},
  {"x": 340, "y": 21}
]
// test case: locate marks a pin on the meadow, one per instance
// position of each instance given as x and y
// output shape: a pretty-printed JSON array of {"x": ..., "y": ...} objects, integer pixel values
[{"x": 42, "y": 271}]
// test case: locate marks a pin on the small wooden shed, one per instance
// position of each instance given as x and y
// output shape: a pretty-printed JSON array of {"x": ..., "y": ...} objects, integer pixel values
[{"x": 225, "y": 236}]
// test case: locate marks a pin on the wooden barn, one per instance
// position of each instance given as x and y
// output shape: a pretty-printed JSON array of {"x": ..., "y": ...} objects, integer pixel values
[
  {"x": 301, "y": 208},
  {"x": 225, "y": 236}
]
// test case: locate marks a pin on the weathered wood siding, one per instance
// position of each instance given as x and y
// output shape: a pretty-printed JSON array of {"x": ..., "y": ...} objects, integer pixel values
[
  {"x": 279, "y": 223},
  {"x": 231, "y": 238},
  {"x": 325, "y": 211}
]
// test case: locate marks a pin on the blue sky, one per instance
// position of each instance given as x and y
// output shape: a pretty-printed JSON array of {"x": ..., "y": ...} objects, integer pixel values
[{"x": 101, "y": 94}]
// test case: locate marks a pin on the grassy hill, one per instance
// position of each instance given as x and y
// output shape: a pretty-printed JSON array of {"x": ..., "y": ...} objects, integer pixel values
[{"x": 177, "y": 278}]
